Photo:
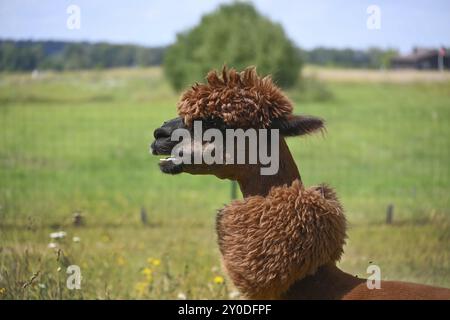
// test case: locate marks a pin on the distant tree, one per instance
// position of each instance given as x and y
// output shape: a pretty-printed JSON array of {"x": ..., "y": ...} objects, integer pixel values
[
  {"x": 235, "y": 35},
  {"x": 76, "y": 56}
]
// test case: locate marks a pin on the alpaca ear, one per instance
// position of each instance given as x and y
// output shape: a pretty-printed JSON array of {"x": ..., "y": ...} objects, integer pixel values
[{"x": 293, "y": 125}]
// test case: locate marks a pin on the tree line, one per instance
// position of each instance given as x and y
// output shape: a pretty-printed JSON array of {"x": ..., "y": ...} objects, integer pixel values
[
  {"x": 372, "y": 58},
  {"x": 60, "y": 55}
]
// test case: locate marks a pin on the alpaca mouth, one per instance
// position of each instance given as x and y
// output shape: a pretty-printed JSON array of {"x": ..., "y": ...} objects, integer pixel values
[
  {"x": 167, "y": 159},
  {"x": 168, "y": 165}
]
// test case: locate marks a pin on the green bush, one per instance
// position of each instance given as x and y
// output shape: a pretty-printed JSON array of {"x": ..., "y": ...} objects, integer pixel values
[{"x": 235, "y": 35}]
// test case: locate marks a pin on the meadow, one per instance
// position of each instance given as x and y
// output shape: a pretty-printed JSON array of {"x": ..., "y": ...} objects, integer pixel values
[{"x": 77, "y": 143}]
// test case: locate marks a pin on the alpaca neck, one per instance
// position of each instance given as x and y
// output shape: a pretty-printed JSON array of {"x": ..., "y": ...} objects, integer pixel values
[{"x": 253, "y": 183}]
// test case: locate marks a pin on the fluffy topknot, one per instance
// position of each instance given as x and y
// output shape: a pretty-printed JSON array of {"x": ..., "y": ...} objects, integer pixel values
[{"x": 240, "y": 100}]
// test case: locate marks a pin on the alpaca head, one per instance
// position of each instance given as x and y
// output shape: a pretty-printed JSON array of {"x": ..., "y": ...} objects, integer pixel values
[{"x": 214, "y": 115}]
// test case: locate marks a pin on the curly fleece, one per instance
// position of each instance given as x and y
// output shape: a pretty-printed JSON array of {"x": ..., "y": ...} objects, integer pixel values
[
  {"x": 268, "y": 243},
  {"x": 241, "y": 100}
]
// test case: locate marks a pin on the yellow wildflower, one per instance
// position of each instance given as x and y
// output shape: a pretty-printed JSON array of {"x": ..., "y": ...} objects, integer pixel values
[
  {"x": 153, "y": 262},
  {"x": 2, "y": 291},
  {"x": 156, "y": 262},
  {"x": 147, "y": 272},
  {"x": 218, "y": 280},
  {"x": 141, "y": 288}
]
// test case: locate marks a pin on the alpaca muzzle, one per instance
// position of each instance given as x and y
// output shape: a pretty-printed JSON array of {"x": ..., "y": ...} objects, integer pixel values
[{"x": 163, "y": 145}]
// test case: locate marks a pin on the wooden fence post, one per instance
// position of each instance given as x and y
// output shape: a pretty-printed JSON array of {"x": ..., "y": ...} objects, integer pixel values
[
  {"x": 233, "y": 190},
  {"x": 390, "y": 214}
]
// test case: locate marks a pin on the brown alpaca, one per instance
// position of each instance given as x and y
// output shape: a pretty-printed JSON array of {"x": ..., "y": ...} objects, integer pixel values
[{"x": 282, "y": 241}]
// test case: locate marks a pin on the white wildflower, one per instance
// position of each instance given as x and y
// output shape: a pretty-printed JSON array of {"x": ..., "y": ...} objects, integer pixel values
[
  {"x": 76, "y": 239},
  {"x": 58, "y": 235},
  {"x": 52, "y": 245},
  {"x": 215, "y": 269},
  {"x": 181, "y": 296},
  {"x": 234, "y": 294}
]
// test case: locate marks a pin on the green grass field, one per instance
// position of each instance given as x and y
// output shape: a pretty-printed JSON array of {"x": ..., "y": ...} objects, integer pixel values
[{"x": 78, "y": 142}]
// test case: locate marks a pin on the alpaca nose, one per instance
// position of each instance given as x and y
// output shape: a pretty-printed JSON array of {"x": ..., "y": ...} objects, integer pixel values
[
  {"x": 168, "y": 127},
  {"x": 162, "y": 146},
  {"x": 162, "y": 132},
  {"x": 153, "y": 148}
]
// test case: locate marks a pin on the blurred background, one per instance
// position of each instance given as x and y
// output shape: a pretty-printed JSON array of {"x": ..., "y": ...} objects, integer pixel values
[{"x": 83, "y": 85}]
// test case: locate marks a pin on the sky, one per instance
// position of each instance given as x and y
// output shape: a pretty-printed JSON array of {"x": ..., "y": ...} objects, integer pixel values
[{"x": 338, "y": 23}]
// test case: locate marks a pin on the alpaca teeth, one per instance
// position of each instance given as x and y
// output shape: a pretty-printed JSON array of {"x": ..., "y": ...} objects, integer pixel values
[{"x": 167, "y": 159}]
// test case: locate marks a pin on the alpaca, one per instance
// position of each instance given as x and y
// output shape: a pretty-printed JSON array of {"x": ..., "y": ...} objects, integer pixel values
[{"x": 282, "y": 241}]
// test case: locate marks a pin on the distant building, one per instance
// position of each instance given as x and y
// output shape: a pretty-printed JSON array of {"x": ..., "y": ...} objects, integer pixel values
[{"x": 424, "y": 59}]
